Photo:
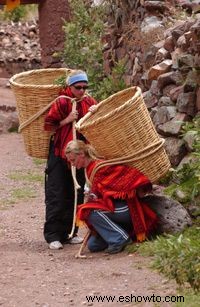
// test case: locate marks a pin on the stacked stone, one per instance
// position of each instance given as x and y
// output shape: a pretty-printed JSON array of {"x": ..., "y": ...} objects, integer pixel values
[
  {"x": 19, "y": 48},
  {"x": 174, "y": 94},
  {"x": 167, "y": 71}
]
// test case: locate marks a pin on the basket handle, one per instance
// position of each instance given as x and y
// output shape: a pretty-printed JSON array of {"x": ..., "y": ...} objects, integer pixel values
[
  {"x": 127, "y": 159},
  {"x": 135, "y": 99},
  {"x": 85, "y": 117},
  {"x": 39, "y": 113}
]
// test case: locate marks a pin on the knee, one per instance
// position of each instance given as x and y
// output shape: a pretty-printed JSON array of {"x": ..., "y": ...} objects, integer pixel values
[{"x": 96, "y": 245}]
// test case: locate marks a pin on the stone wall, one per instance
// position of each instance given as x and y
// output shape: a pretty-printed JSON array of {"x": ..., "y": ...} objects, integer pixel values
[
  {"x": 163, "y": 62},
  {"x": 167, "y": 70}
]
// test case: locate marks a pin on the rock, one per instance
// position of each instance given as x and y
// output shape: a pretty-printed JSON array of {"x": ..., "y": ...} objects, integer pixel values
[
  {"x": 186, "y": 103},
  {"x": 165, "y": 101},
  {"x": 164, "y": 114},
  {"x": 162, "y": 54},
  {"x": 169, "y": 44},
  {"x": 198, "y": 99},
  {"x": 173, "y": 217},
  {"x": 175, "y": 149},
  {"x": 19, "y": 42},
  {"x": 151, "y": 23},
  {"x": 190, "y": 138},
  {"x": 159, "y": 69},
  {"x": 189, "y": 158},
  {"x": 167, "y": 89},
  {"x": 175, "y": 92},
  {"x": 155, "y": 6},
  {"x": 150, "y": 99}
]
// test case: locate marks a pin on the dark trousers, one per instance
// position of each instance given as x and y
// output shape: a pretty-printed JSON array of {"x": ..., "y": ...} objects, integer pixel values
[
  {"x": 113, "y": 228},
  {"x": 59, "y": 198}
]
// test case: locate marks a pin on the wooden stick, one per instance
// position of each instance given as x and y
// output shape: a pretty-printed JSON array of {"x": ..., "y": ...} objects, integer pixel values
[{"x": 83, "y": 245}]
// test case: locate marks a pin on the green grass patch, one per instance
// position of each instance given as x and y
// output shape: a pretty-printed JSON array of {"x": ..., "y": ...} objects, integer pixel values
[
  {"x": 26, "y": 185},
  {"x": 6, "y": 204},
  {"x": 191, "y": 298},
  {"x": 39, "y": 162},
  {"x": 22, "y": 194},
  {"x": 28, "y": 176},
  {"x": 16, "y": 195}
]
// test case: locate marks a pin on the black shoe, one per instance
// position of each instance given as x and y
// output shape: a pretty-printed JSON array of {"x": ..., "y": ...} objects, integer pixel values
[{"x": 114, "y": 249}]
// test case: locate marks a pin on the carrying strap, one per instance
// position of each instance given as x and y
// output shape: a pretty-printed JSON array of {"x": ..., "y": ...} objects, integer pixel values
[
  {"x": 40, "y": 112},
  {"x": 131, "y": 158}
]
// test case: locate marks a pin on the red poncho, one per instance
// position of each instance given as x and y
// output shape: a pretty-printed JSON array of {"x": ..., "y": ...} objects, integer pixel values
[
  {"x": 60, "y": 109},
  {"x": 120, "y": 182}
]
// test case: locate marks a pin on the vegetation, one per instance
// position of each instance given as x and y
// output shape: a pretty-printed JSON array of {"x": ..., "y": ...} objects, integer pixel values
[
  {"x": 29, "y": 177},
  {"x": 177, "y": 256},
  {"x": 22, "y": 194},
  {"x": 187, "y": 178},
  {"x": 22, "y": 12},
  {"x": 27, "y": 185},
  {"x": 84, "y": 49}
]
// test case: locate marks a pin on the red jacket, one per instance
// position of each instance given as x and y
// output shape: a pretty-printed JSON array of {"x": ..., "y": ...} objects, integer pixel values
[
  {"x": 120, "y": 182},
  {"x": 60, "y": 109}
]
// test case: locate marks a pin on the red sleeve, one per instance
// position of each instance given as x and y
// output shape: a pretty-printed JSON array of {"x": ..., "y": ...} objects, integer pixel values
[{"x": 58, "y": 111}]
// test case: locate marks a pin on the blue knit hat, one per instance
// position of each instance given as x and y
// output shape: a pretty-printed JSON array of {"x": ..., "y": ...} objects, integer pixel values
[{"x": 81, "y": 77}]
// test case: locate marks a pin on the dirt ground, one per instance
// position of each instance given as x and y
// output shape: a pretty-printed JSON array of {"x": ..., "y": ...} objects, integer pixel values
[{"x": 32, "y": 275}]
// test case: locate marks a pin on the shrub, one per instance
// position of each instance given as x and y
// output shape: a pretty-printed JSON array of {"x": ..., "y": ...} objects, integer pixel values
[
  {"x": 22, "y": 12},
  {"x": 84, "y": 49},
  {"x": 177, "y": 256}
]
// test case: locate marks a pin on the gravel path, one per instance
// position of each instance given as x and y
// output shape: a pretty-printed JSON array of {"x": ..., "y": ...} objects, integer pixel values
[{"x": 32, "y": 275}]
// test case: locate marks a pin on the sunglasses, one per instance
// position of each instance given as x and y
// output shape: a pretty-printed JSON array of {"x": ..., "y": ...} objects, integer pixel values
[{"x": 79, "y": 87}]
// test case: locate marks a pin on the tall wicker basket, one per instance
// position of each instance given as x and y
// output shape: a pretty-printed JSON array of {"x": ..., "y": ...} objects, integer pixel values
[
  {"x": 121, "y": 131},
  {"x": 35, "y": 90}
]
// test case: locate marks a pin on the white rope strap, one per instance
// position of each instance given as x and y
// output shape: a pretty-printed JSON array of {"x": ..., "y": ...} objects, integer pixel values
[
  {"x": 131, "y": 158},
  {"x": 73, "y": 170},
  {"x": 39, "y": 113}
]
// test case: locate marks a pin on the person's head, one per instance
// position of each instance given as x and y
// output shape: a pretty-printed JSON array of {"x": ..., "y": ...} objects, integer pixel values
[
  {"x": 77, "y": 80},
  {"x": 79, "y": 154}
]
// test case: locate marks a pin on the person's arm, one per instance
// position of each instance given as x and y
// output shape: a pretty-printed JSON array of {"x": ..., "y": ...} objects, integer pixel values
[
  {"x": 56, "y": 117},
  {"x": 69, "y": 119}
]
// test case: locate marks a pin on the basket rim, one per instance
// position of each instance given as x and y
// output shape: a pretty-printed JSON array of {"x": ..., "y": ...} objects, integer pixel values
[
  {"x": 13, "y": 79},
  {"x": 138, "y": 92}
]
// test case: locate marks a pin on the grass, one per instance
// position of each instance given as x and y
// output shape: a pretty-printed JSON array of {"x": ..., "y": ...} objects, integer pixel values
[
  {"x": 191, "y": 299},
  {"x": 29, "y": 176},
  {"x": 22, "y": 194},
  {"x": 23, "y": 185},
  {"x": 39, "y": 162}
]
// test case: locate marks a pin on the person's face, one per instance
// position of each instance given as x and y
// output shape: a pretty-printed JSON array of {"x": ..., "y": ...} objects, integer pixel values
[
  {"x": 77, "y": 160},
  {"x": 78, "y": 89}
]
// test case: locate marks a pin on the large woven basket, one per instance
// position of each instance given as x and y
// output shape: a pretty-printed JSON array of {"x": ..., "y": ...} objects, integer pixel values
[
  {"x": 35, "y": 90},
  {"x": 121, "y": 130}
]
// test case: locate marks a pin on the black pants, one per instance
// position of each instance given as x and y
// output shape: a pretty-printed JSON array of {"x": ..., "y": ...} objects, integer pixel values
[{"x": 59, "y": 198}]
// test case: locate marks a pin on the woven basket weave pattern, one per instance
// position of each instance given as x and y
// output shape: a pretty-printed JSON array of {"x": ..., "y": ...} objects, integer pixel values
[
  {"x": 122, "y": 127},
  {"x": 34, "y": 90}
]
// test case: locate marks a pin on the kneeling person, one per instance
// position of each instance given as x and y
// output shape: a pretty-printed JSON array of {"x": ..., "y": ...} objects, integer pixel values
[{"x": 113, "y": 211}]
